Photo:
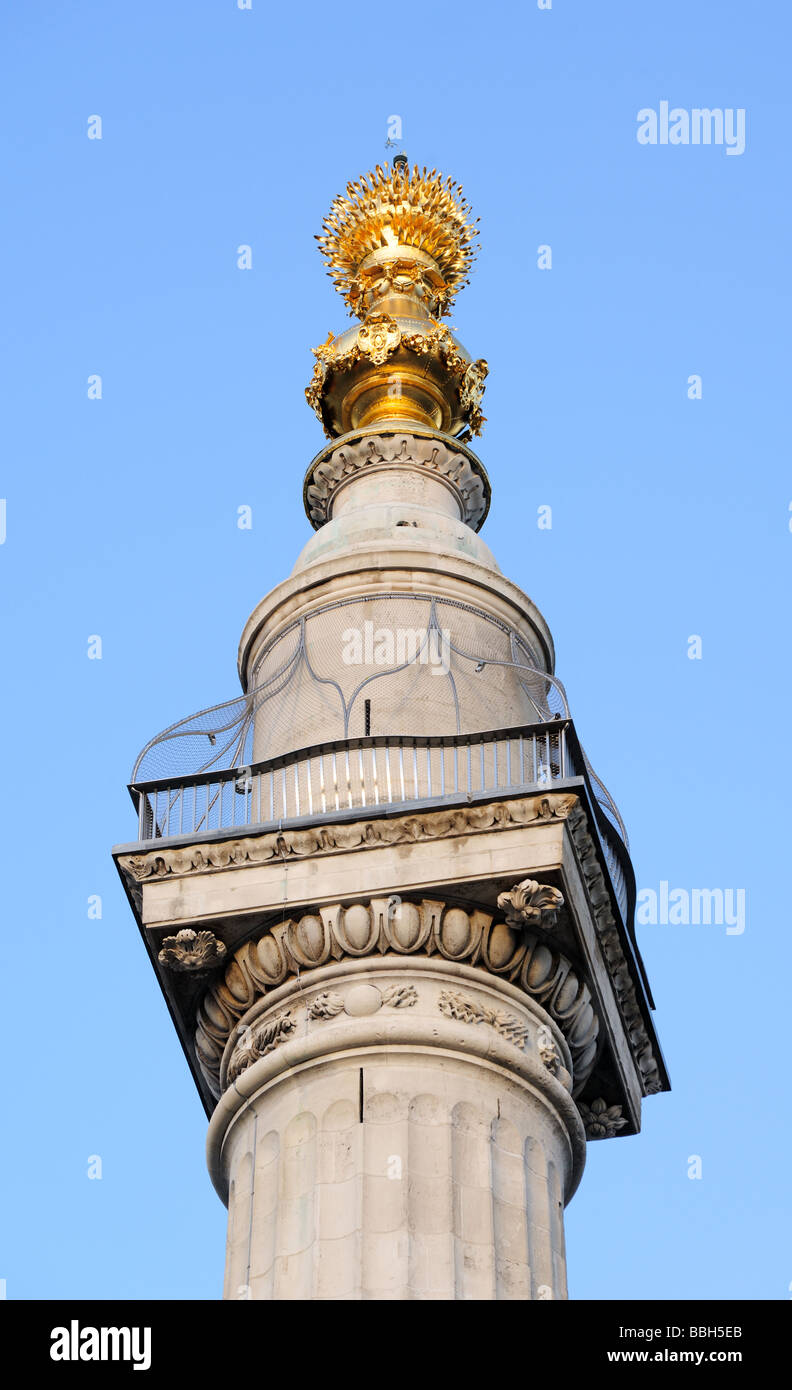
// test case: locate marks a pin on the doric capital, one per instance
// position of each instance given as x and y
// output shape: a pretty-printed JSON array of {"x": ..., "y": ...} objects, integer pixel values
[
  {"x": 390, "y": 926},
  {"x": 441, "y": 897}
]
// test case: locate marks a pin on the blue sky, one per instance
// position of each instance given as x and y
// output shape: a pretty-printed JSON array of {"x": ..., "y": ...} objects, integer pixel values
[{"x": 671, "y": 518}]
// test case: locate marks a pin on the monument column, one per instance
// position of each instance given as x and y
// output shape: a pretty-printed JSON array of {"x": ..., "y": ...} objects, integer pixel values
[{"x": 388, "y": 900}]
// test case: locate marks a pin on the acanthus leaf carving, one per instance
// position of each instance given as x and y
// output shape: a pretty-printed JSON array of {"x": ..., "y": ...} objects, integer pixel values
[
  {"x": 399, "y": 996},
  {"x": 256, "y": 1042},
  {"x": 601, "y": 1121},
  {"x": 192, "y": 951},
  {"x": 531, "y": 903},
  {"x": 459, "y": 1006},
  {"x": 548, "y": 1053},
  {"x": 325, "y": 1005}
]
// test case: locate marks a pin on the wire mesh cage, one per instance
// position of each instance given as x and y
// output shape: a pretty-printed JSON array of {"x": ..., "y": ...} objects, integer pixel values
[{"x": 389, "y": 664}]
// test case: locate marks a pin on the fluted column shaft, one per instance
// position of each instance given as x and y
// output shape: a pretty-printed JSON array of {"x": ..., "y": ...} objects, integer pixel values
[{"x": 403, "y": 1139}]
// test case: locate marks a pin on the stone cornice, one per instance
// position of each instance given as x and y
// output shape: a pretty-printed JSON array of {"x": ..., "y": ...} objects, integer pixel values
[
  {"x": 618, "y": 966},
  {"x": 340, "y": 837}
]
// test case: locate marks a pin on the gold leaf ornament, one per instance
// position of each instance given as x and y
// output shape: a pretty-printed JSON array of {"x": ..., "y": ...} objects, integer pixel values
[{"x": 378, "y": 338}]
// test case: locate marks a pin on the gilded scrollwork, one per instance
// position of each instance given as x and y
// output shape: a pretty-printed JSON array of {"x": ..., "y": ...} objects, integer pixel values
[
  {"x": 378, "y": 337},
  {"x": 397, "y": 276}
]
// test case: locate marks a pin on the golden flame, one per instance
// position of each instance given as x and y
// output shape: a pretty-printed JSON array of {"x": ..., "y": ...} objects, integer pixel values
[{"x": 392, "y": 209}]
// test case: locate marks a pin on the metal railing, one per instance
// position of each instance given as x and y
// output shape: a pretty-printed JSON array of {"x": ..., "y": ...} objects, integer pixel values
[{"x": 366, "y": 773}]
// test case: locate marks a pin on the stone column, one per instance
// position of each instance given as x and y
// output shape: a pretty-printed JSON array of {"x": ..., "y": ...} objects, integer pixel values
[
  {"x": 399, "y": 1086},
  {"x": 392, "y": 1129}
]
